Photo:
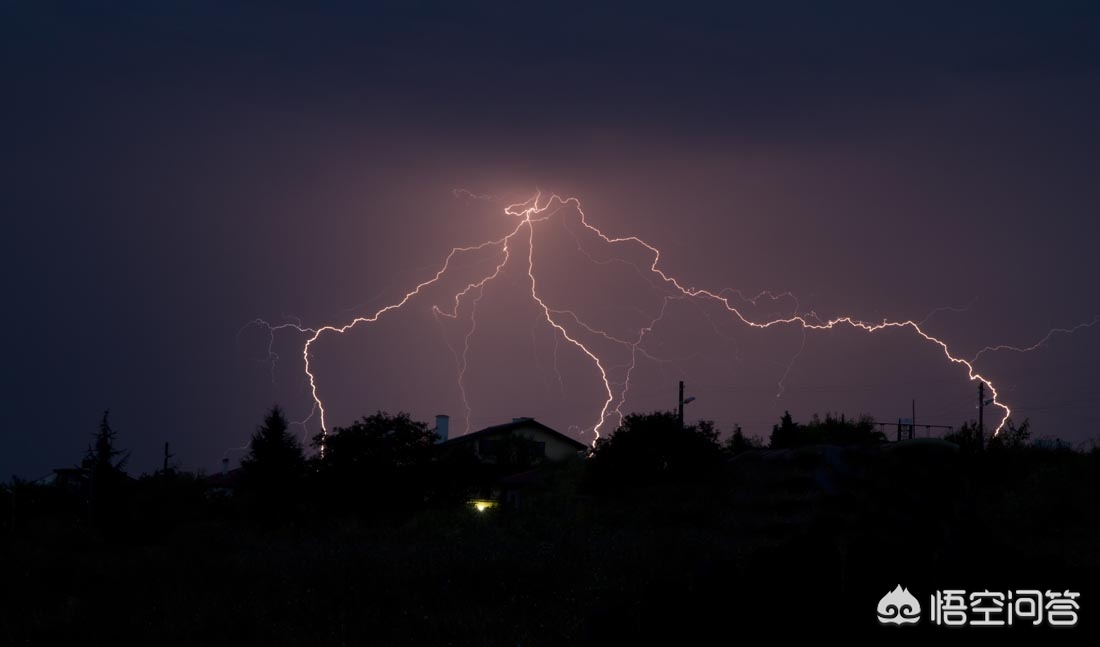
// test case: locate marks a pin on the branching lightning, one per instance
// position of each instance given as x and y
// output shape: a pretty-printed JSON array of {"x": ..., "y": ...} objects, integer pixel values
[
  {"x": 1027, "y": 349},
  {"x": 568, "y": 327}
]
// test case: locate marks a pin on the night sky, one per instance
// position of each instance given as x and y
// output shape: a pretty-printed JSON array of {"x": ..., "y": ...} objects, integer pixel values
[{"x": 172, "y": 171}]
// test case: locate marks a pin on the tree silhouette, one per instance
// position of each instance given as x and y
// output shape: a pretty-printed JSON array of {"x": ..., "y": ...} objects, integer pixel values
[
  {"x": 272, "y": 473},
  {"x": 967, "y": 437},
  {"x": 1012, "y": 437},
  {"x": 104, "y": 465},
  {"x": 101, "y": 456},
  {"x": 832, "y": 430},
  {"x": 652, "y": 448},
  {"x": 379, "y": 462},
  {"x": 738, "y": 442},
  {"x": 785, "y": 434}
]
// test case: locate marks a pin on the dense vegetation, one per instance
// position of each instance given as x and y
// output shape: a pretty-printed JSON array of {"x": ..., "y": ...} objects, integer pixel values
[{"x": 662, "y": 533}]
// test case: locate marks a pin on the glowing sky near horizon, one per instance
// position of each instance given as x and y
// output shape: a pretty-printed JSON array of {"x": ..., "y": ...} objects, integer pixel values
[{"x": 567, "y": 326}]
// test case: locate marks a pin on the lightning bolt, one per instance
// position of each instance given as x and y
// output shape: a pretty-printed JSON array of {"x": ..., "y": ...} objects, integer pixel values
[
  {"x": 567, "y": 325},
  {"x": 794, "y": 319},
  {"x": 464, "y": 360},
  {"x": 946, "y": 309},
  {"x": 782, "y": 385},
  {"x": 1038, "y": 344}
]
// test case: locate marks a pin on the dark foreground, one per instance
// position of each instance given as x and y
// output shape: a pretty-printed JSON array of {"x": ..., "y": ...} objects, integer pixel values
[{"x": 776, "y": 542}]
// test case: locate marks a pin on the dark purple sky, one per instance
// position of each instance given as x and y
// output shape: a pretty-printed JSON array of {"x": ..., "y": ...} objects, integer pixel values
[{"x": 172, "y": 173}]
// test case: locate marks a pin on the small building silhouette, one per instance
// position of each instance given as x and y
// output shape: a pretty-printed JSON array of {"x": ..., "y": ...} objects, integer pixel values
[
  {"x": 223, "y": 484},
  {"x": 510, "y": 461},
  {"x": 539, "y": 442}
]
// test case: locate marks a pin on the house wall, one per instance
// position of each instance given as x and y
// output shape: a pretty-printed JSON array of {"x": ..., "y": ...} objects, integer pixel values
[{"x": 556, "y": 449}]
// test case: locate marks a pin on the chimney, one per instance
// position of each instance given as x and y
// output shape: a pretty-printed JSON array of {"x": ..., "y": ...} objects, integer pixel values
[
  {"x": 442, "y": 424},
  {"x": 225, "y": 466}
]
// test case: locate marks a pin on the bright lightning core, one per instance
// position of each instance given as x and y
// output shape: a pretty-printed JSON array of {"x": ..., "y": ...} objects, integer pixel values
[{"x": 516, "y": 251}]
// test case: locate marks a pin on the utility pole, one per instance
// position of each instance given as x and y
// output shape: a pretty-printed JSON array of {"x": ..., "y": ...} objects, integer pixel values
[
  {"x": 981, "y": 413},
  {"x": 164, "y": 470},
  {"x": 913, "y": 421},
  {"x": 680, "y": 401}
]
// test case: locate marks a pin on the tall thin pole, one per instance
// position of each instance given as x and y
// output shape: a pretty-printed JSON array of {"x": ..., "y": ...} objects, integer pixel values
[
  {"x": 981, "y": 413},
  {"x": 913, "y": 421},
  {"x": 680, "y": 401}
]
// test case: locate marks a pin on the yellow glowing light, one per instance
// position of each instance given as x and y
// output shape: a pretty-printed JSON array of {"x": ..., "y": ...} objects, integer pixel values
[{"x": 481, "y": 505}]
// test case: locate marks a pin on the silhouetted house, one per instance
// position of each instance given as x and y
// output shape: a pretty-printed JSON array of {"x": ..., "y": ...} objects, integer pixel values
[
  {"x": 533, "y": 441},
  {"x": 503, "y": 461},
  {"x": 224, "y": 483},
  {"x": 514, "y": 488},
  {"x": 72, "y": 479}
]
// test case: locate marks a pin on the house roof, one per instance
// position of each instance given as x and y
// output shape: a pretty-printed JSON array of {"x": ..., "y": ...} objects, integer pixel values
[
  {"x": 518, "y": 423},
  {"x": 228, "y": 479}
]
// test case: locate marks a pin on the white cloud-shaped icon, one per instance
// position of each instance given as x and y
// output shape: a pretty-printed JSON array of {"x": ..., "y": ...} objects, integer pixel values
[{"x": 898, "y": 607}]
